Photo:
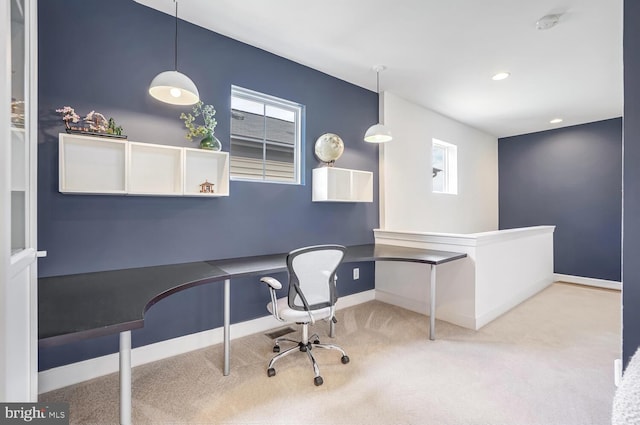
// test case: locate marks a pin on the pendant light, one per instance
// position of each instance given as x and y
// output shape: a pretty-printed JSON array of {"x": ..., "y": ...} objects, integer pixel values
[
  {"x": 378, "y": 133},
  {"x": 172, "y": 86}
]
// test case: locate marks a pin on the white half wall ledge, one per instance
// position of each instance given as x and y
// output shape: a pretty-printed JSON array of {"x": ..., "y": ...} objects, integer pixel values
[
  {"x": 63, "y": 376},
  {"x": 502, "y": 269},
  {"x": 470, "y": 239}
]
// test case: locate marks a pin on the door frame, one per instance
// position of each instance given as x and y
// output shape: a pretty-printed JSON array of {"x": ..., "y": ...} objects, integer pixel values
[{"x": 20, "y": 267}]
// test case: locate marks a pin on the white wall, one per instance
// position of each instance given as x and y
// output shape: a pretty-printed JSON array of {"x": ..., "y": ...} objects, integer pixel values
[{"x": 406, "y": 198}]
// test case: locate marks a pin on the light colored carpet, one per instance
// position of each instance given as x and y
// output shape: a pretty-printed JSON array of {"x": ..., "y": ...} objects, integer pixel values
[{"x": 548, "y": 361}]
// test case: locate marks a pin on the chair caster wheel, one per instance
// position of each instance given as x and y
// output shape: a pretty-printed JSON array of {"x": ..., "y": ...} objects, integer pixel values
[
  {"x": 317, "y": 341},
  {"x": 271, "y": 372},
  {"x": 276, "y": 349},
  {"x": 345, "y": 359},
  {"x": 318, "y": 381}
]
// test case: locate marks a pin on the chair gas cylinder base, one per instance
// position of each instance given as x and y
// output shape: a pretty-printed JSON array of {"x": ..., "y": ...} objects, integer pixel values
[
  {"x": 312, "y": 296},
  {"x": 306, "y": 345}
]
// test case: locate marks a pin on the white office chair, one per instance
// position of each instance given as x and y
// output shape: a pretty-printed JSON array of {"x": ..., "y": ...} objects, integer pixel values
[{"x": 312, "y": 296}]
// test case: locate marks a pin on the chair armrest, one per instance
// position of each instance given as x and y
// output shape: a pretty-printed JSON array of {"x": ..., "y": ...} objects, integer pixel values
[
  {"x": 273, "y": 285},
  {"x": 272, "y": 282}
]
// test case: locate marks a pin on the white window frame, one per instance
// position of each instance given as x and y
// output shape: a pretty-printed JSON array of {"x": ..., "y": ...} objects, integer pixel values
[
  {"x": 298, "y": 112},
  {"x": 450, "y": 168}
]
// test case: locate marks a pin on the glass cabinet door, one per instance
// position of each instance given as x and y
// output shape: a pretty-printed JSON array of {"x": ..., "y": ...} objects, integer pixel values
[{"x": 19, "y": 145}]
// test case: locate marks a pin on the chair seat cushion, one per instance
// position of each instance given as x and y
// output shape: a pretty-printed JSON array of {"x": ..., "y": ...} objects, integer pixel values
[{"x": 299, "y": 316}]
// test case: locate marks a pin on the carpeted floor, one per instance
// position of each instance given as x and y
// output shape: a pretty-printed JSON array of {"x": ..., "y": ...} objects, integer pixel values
[{"x": 548, "y": 361}]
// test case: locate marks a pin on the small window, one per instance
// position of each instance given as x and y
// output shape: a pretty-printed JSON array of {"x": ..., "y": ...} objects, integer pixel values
[
  {"x": 444, "y": 160},
  {"x": 266, "y": 136}
]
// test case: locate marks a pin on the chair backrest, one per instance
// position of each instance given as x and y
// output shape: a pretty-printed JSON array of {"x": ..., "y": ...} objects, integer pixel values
[{"x": 311, "y": 276}]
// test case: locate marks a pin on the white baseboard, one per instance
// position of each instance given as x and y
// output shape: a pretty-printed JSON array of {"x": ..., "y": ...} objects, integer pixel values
[
  {"x": 422, "y": 307},
  {"x": 454, "y": 317},
  {"x": 588, "y": 281},
  {"x": 411, "y": 304},
  {"x": 513, "y": 301},
  {"x": 59, "y": 377},
  {"x": 617, "y": 372}
]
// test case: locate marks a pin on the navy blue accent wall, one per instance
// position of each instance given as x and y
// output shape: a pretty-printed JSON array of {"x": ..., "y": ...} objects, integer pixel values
[
  {"x": 631, "y": 183},
  {"x": 570, "y": 178},
  {"x": 99, "y": 56}
]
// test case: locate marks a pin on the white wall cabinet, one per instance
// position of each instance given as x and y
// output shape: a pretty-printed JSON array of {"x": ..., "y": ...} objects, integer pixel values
[
  {"x": 106, "y": 166},
  {"x": 92, "y": 165},
  {"x": 155, "y": 169},
  {"x": 332, "y": 184},
  {"x": 205, "y": 166}
]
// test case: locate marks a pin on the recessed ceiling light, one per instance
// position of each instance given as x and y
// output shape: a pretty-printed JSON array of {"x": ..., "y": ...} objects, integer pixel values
[
  {"x": 500, "y": 76},
  {"x": 556, "y": 121}
]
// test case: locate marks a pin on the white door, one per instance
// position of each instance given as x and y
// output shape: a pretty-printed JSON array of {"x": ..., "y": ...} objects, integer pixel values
[{"x": 18, "y": 153}]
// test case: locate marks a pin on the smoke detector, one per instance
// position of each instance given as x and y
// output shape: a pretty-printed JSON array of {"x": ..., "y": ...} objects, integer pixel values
[{"x": 548, "y": 21}]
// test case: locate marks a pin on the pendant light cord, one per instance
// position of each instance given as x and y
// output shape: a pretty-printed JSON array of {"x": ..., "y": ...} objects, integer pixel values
[
  {"x": 378, "y": 68},
  {"x": 175, "y": 42}
]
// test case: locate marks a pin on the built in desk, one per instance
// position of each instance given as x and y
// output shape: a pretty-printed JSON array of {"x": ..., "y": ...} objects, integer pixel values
[{"x": 88, "y": 305}]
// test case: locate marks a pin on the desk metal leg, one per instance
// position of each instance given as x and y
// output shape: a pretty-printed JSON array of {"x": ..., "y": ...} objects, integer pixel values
[
  {"x": 227, "y": 323},
  {"x": 125, "y": 378},
  {"x": 432, "y": 300}
]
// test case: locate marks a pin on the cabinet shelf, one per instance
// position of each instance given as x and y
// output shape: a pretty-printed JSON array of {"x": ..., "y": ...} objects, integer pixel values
[
  {"x": 332, "y": 184},
  {"x": 95, "y": 165},
  {"x": 154, "y": 170},
  {"x": 202, "y": 166},
  {"x": 92, "y": 165}
]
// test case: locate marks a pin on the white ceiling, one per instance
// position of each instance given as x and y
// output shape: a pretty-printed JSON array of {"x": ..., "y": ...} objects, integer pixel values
[{"x": 442, "y": 53}]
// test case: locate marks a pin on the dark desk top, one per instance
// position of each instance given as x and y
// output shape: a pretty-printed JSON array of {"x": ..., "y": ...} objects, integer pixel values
[
  {"x": 373, "y": 252},
  {"x": 88, "y": 305}
]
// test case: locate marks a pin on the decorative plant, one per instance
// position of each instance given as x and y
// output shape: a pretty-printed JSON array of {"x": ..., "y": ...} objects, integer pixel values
[
  {"x": 94, "y": 121},
  {"x": 113, "y": 129},
  {"x": 68, "y": 115},
  {"x": 97, "y": 122},
  {"x": 198, "y": 131}
]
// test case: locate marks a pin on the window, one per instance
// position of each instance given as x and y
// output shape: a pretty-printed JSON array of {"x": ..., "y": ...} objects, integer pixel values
[
  {"x": 266, "y": 136},
  {"x": 444, "y": 161}
]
